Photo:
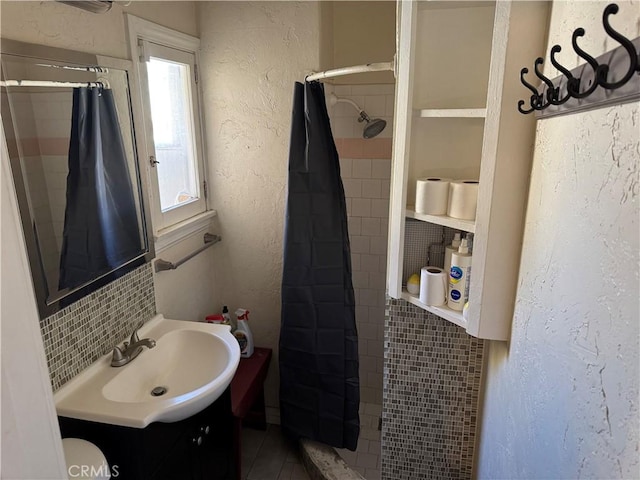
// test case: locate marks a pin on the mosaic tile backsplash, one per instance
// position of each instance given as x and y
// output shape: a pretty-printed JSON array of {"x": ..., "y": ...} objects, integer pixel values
[
  {"x": 78, "y": 335},
  {"x": 432, "y": 380}
]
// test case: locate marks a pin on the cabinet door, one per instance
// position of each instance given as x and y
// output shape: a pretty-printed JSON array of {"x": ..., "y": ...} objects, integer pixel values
[
  {"x": 122, "y": 446},
  {"x": 161, "y": 442},
  {"x": 200, "y": 447},
  {"x": 215, "y": 427},
  {"x": 181, "y": 462}
]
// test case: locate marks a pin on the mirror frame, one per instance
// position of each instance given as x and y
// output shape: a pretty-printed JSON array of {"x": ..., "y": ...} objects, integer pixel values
[{"x": 42, "y": 52}]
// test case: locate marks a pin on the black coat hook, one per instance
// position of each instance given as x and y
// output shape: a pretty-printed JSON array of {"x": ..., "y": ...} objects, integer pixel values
[
  {"x": 605, "y": 70},
  {"x": 579, "y": 32},
  {"x": 522, "y": 110},
  {"x": 612, "y": 9},
  {"x": 552, "y": 91},
  {"x": 571, "y": 80},
  {"x": 535, "y": 101}
]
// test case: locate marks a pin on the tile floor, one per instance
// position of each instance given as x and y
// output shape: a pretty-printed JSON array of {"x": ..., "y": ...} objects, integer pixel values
[{"x": 268, "y": 455}]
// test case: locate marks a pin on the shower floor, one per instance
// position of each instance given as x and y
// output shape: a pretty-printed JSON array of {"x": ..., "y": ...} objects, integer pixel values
[{"x": 268, "y": 455}]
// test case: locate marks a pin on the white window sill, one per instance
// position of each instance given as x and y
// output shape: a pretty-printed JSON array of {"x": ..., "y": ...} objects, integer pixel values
[{"x": 170, "y": 236}]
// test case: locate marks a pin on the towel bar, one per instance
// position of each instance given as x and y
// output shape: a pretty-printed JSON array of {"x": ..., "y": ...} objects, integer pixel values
[{"x": 209, "y": 240}]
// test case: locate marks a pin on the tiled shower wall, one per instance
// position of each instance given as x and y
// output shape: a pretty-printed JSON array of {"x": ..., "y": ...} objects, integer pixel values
[
  {"x": 79, "y": 334},
  {"x": 366, "y": 170},
  {"x": 431, "y": 388}
]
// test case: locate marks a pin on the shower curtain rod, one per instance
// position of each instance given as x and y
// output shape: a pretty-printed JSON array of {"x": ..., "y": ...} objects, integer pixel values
[
  {"x": 369, "y": 67},
  {"x": 93, "y": 69},
  {"x": 48, "y": 83}
]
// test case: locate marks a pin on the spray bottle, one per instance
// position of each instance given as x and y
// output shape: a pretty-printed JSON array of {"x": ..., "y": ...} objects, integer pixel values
[
  {"x": 459, "y": 277},
  {"x": 448, "y": 251},
  {"x": 243, "y": 333}
]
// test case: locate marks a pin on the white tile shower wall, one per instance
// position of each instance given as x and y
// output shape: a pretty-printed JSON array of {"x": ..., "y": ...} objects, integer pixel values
[
  {"x": 79, "y": 334},
  {"x": 377, "y": 100},
  {"x": 366, "y": 170},
  {"x": 366, "y": 458},
  {"x": 368, "y": 235}
]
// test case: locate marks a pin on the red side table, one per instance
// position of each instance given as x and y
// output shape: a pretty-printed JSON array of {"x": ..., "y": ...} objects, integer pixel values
[{"x": 247, "y": 397}]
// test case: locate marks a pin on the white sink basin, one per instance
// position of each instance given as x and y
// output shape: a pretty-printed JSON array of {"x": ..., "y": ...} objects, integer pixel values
[{"x": 192, "y": 363}]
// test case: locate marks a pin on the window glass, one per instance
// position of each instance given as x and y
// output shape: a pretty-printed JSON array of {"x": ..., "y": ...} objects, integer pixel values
[
  {"x": 170, "y": 100},
  {"x": 172, "y": 145}
]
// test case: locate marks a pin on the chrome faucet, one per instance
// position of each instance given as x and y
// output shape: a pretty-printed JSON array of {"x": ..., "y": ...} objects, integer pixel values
[{"x": 131, "y": 349}]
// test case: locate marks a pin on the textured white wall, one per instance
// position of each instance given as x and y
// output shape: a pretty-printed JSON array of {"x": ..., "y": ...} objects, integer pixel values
[
  {"x": 252, "y": 53},
  {"x": 58, "y": 25},
  {"x": 562, "y": 397}
]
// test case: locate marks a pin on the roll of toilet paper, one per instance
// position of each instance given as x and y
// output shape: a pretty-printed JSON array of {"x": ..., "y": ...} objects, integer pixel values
[
  {"x": 463, "y": 199},
  {"x": 433, "y": 286},
  {"x": 432, "y": 195}
]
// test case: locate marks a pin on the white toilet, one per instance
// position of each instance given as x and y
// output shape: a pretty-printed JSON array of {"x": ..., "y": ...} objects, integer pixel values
[{"x": 84, "y": 460}]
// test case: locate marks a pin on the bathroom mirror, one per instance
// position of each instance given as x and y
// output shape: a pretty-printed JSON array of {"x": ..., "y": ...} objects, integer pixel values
[{"x": 67, "y": 119}]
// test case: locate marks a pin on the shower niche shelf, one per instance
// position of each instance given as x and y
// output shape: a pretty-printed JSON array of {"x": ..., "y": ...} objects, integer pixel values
[
  {"x": 456, "y": 117},
  {"x": 444, "y": 220},
  {"x": 452, "y": 112},
  {"x": 443, "y": 312}
]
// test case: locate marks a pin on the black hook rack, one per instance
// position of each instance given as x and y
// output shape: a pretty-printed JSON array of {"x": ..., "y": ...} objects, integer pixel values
[{"x": 612, "y": 78}]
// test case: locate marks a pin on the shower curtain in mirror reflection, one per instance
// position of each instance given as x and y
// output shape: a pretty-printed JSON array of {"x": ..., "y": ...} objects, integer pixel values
[
  {"x": 100, "y": 223},
  {"x": 319, "y": 385}
]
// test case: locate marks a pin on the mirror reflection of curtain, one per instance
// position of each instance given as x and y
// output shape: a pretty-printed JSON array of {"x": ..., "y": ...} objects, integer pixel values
[{"x": 100, "y": 225}]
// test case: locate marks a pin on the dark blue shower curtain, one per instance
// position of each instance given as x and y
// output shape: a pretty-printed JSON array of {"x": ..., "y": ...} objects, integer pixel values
[
  {"x": 319, "y": 385},
  {"x": 101, "y": 223}
]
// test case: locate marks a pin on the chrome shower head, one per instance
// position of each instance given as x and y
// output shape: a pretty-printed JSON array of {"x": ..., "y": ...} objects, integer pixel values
[{"x": 373, "y": 127}]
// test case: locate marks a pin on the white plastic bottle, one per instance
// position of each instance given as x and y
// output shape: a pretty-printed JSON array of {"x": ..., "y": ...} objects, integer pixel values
[
  {"x": 459, "y": 277},
  {"x": 448, "y": 251},
  {"x": 469, "y": 237},
  {"x": 243, "y": 333},
  {"x": 227, "y": 317}
]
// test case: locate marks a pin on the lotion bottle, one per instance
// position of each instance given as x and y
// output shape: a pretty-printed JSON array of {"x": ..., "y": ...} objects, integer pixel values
[
  {"x": 459, "y": 277},
  {"x": 448, "y": 251},
  {"x": 243, "y": 333}
]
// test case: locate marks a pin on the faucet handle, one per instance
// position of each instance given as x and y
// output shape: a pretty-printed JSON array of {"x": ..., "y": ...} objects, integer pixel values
[{"x": 134, "y": 336}]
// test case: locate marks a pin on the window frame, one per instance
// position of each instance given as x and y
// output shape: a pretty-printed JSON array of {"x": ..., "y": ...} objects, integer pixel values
[{"x": 178, "y": 222}]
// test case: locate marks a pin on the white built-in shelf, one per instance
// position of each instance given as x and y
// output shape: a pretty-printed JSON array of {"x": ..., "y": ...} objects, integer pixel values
[
  {"x": 440, "y": 5},
  {"x": 452, "y": 112},
  {"x": 428, "y": 138},
  {"x": 451, "y": 315},
  {"x": 444, "y": 220}
]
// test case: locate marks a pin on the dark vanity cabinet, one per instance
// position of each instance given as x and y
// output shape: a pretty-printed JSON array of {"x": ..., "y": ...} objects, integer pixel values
[{"x": 199, "y": 447}]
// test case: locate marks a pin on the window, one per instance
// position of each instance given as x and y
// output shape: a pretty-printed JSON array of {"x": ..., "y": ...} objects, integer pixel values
[{"x": 167, "y": 76}]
